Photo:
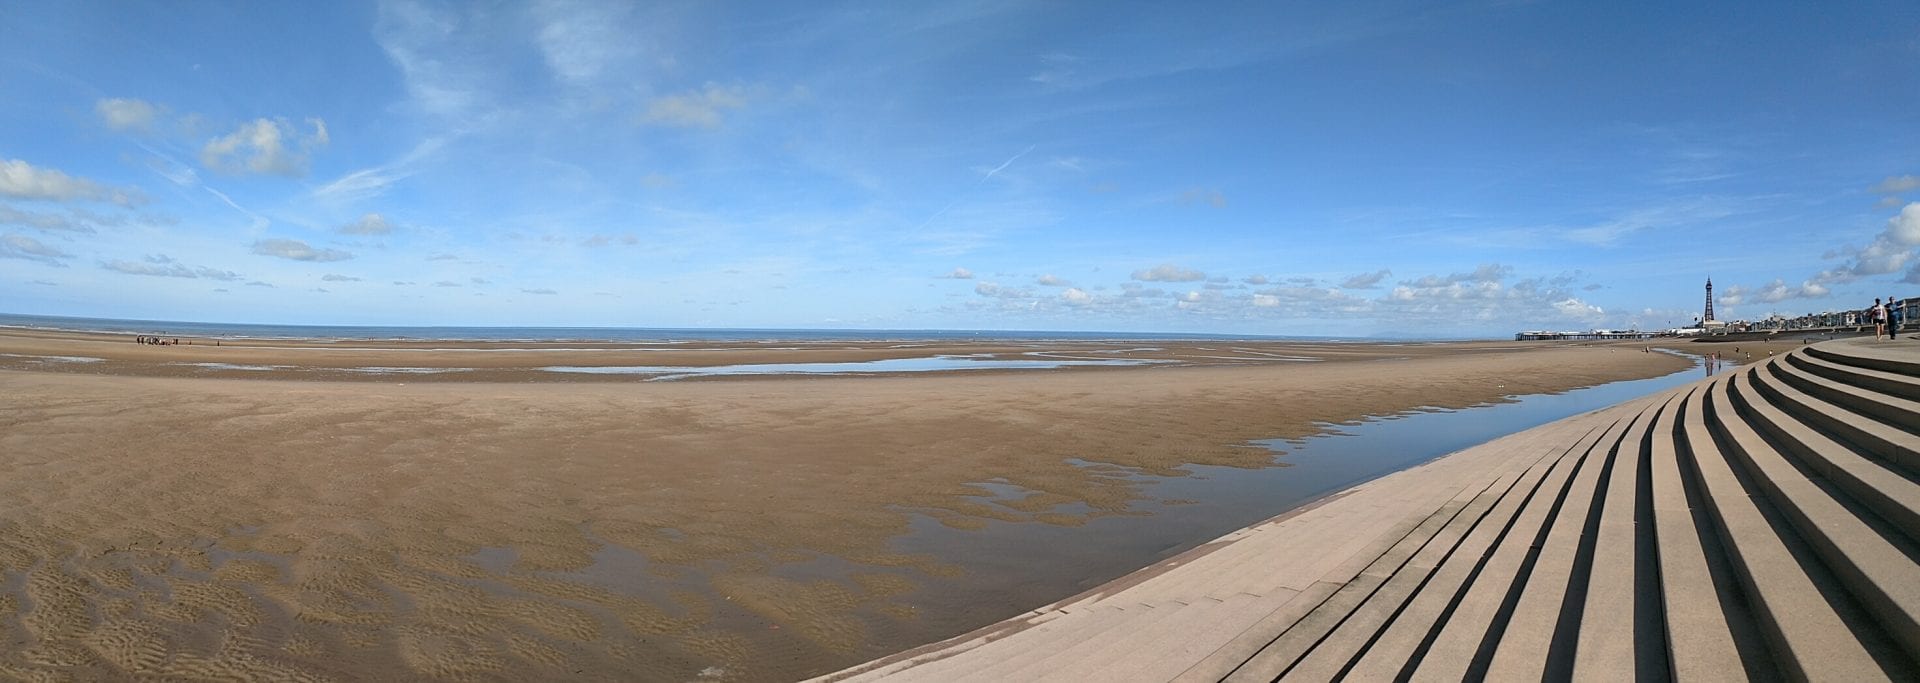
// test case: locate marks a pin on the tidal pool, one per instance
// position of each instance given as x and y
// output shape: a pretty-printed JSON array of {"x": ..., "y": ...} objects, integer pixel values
[
  {"x": 929, "y": 364},
  {"x": 1016, "y": 566}
]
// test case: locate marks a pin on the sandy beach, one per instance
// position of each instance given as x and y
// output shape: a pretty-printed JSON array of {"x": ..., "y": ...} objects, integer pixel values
[{"x": 276, "y": 510}]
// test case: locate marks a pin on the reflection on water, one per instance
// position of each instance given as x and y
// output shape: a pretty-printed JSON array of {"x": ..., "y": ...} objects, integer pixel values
[{"x": 929, "y": 364}]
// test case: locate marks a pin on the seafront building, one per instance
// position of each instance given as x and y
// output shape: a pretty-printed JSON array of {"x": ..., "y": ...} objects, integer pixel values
[{"x": 1903, "y": 311}]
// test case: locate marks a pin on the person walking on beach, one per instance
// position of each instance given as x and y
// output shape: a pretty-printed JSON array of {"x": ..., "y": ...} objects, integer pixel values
[{"x": 1879, "y": 314}]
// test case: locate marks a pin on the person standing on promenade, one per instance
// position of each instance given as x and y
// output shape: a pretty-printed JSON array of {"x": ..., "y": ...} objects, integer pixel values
[
  {"x": 1879, "y": 314},
  {"x": 1896, "y": 314}
]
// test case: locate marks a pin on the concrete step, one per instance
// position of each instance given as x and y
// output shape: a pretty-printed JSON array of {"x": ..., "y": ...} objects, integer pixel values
[
  {"x": 1406, "y": 633},
  {"x": 1888, "y": 409},
  {"x": 1216, "y": 666},
  {"x": 1171, "y": 623},
  {"x": 1710, "y": 631},
  {"x": 1389, "y": 549},
  {"x": 1464, "y": 644},
  {"x": 1140, "y": 625},
  {"x": 1328, "y": 658},
  {"x": 1896, "y": 357},
  {"x": 1807, "y": 634},
  {"x": 1876, "y": 565},
  {"x": 1282, "y": 647},
  {"x": 1880, "y": 439},
  {"x": 1286, "y": 651},
  {"x": 1789, "y": 418},
  {"x": 1159, "y": 664},
  {"x": 1062, "y": 631},
  {"x": 1889, "y": 383},
  {"x": 1617, "y": 623},
  {"x": 1527, "y": 645}
]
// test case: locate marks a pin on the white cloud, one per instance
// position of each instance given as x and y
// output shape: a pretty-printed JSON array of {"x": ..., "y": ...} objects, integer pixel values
[
  {"x": 542, "y": 291},
  {"x": 1898, "y": 184},
  {"x": 1134, "y": 290},
  {"x": 1889, "y": 251},
  {"x": 1167, "y": 272},
  {"x": 297, "y": 250},
  {"x": 696, "y": 109},
  {"x": 24, "y": 247},
  {"x": 1488, "y": 272},
  {"x": 161, "y": 265},
  {"x": 446, "y": 283},
  {"x": 479, "y": 281},
  {"x": 959, "y": 274},
  {"x": 127, "y": 115},
  {"x": 21, "y": 180},
  {"x": 1366, "y": 280},
  {"x": 1266, "y": 300},
  {"x": 330, "y": 277},
  {"x": 1077, "y": 297},
  {"x": 1579, "y": 310},
  {"x": 1050, "y": 280},
  {"x": 266, "y": 146},
  {"x": 370, "y": 224},
  {"x": 1255, "y": 279},
  {"x": 990, "y": 289}
]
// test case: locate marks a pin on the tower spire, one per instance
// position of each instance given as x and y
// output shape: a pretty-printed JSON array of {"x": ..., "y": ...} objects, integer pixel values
[{"x": 1709, "y": 314}]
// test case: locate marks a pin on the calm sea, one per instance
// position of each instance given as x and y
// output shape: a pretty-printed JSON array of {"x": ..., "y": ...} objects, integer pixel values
[{"x": 591, "y": 334}]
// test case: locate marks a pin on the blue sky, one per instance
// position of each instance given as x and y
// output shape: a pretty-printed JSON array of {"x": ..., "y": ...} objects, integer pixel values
[{"x": 1436, "y": 169}]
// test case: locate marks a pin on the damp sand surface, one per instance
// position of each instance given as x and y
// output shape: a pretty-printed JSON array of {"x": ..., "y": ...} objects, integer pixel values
[{"x": 164, "y": 519}]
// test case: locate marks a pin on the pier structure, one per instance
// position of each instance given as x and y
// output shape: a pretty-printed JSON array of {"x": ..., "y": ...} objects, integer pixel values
[
  {"x": 1590, "y": 335},
  {"x": 1760, "y": 524}
]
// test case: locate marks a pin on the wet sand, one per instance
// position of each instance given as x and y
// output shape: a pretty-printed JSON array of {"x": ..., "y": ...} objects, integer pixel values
[{"x": 511, "y": 523}]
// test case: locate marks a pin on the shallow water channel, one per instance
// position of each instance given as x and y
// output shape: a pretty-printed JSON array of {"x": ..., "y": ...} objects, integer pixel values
[{"x": 1016, "y": 566}]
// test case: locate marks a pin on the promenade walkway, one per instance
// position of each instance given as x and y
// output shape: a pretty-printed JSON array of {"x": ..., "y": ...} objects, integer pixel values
[{"x": 1761, "y": 524}]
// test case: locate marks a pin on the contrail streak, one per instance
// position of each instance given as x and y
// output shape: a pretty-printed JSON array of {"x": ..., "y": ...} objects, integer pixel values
[{"x": 983, "y": 180}]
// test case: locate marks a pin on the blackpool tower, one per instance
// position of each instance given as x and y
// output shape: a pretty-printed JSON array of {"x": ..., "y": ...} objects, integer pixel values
[{"x": 1709, "y": 314}]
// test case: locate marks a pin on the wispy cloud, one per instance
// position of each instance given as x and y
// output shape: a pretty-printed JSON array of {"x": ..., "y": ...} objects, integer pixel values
[
  {"x": 1207, "y": 196},
  {"x": 582, "y": 41},
  {"x": 297, "y": 250},
  {"x": 259, "y": 222},
  {"x": 368, "y": 183},
  {"x": 21, "y": 180},
  {"x": 370, "y": 224},
  {"x": 1366, "y": 280},
  {"x": 127, "y": 115},
  {"x": 1898, "y": 184},
  {"x": 27, "y": 248},
  {"x": 1167, "y": 272},
  {"x": 161, "y": 265},
  {"x": 697, "y": 109}
]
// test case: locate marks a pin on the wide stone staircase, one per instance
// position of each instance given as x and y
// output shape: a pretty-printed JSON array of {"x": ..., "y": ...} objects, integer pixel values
[{"x": 1760, "y": 524}]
